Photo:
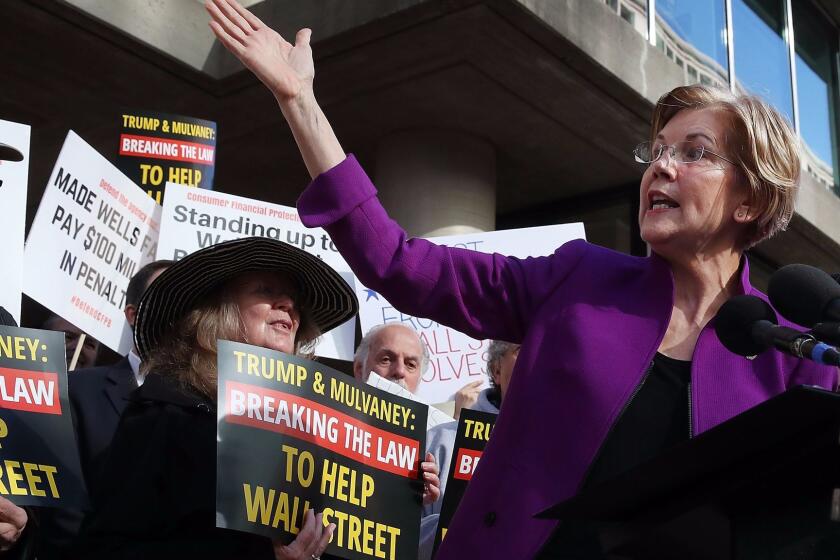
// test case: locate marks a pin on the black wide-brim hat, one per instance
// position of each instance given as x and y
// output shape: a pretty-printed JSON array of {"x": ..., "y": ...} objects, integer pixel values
[
  {"x": 327, "y": 298},
  {"x": 10, "y": 153}
]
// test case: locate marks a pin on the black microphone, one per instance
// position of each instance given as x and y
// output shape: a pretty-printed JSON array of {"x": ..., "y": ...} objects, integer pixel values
[
  {"x": 805, "y": 295},
  {"x": 746, "y": 325},
  {"x": 827, "y": 332}
]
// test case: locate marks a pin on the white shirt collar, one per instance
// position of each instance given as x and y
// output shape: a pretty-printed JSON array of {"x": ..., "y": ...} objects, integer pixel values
[{"x": 134, "y": 361}]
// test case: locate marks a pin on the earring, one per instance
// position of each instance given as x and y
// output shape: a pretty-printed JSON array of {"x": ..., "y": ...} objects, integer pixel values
[{"x": 740, "y": 214}]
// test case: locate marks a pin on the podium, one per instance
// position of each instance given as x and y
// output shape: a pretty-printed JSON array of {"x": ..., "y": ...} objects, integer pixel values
[{"x": 763, "y": 485}]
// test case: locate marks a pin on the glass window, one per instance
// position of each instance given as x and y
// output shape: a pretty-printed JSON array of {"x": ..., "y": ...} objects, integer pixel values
[
  {"x": 694, "y": 31},
  {"x": 633, "y": 12},
  {"x": 761, "y": 52},
  {"x": 627, "y": 14},
  {"x": 816, "y": 88}
]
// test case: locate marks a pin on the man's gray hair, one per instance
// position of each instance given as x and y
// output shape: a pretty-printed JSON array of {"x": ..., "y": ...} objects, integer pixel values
[
  {"x": 361, "y": 355},
  {"x": 495, "y": 352}
]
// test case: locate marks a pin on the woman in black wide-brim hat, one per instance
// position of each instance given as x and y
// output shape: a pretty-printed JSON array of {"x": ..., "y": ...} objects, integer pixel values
[{"x": 158, "y": 489}]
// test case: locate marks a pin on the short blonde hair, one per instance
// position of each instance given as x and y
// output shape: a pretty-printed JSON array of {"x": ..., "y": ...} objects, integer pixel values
[
  {"x": 190, "y": 354},
  {"x": 761, "y": 142}
]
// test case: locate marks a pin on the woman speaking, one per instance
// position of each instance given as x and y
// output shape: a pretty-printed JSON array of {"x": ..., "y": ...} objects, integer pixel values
[{"x": 618, "y": 359}]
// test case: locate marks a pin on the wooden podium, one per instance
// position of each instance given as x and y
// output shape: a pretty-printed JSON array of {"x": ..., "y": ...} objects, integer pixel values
[{"x": 764, "y": 485}]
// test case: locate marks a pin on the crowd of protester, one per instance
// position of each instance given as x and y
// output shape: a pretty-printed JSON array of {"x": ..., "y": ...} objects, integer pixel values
[
  {"x": 721, "y": 175},
  {"x": 144, "y": 447}
]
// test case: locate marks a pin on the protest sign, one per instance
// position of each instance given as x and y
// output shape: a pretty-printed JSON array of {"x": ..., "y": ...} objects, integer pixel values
[
  {"x": 13, "y": 184},
  {"x": 194, "y": 219},
  {"x": 157, "y": 147},
  {"x": 93, "y": 230},
  {"x": 294, "y": 435},
  {"x": 457, "y": 359},
  {"x": 435, "y": 416},
  {"x": 40, "y": 461},
  {"x": 474, "y": 429}
]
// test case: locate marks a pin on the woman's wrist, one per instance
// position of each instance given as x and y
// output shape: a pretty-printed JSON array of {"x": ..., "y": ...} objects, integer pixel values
[
  {"x": 299, "y": 107},
  {"x": 315, "y": 138}
]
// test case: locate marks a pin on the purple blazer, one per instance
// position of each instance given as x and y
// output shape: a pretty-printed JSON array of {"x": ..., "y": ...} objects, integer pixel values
[{"x": 589, "y": 320}]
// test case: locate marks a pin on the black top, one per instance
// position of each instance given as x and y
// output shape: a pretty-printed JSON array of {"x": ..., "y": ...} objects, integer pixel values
[
  {"x": 655, "y": 418},
  {"x": 97, "y": 398},
  {"x": 156, "y": 496}
]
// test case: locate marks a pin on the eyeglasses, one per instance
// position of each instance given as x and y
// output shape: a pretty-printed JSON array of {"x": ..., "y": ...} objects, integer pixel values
[{"x": 682, "y": 152}]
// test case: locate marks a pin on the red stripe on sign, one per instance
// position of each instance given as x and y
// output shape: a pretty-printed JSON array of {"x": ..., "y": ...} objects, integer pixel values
[
  {"x": 33, "y": 391},
  {"x": 466, "y": 463},
  {"x": 165, "y": 148},
  {"x": 306, "y": 420}
]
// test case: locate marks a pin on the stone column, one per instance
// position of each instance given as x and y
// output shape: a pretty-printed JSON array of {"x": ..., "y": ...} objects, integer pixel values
[{"x": 437, "y": 182}]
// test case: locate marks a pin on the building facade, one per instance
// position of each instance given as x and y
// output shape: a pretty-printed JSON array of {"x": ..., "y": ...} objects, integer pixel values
[{"x": 469, "y": 114}]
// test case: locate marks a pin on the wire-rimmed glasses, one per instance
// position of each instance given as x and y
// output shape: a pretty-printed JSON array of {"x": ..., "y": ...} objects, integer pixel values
[{"x": 682, "y": 152}]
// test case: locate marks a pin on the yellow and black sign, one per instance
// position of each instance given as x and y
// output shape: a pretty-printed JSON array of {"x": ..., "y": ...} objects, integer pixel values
[
  {"x": 474, "y": 429},
  {"x": 39, "y": 460},
  {"x": 295, "y": 435},
  {"x": 156, "y": 148}
]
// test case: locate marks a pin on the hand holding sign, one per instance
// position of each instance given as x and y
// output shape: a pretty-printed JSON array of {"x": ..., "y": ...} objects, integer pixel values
[
  {"x": 294, "y": 436},
  {"x": 431, "y": 480},
  {"x": 310, "y": 543},
  {"x": 12, "y": 523}
]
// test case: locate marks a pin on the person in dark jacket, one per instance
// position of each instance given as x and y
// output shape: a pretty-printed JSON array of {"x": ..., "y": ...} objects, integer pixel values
[
  {"x": 157, "y": 493},
  {"x": 98, "y": 396}
]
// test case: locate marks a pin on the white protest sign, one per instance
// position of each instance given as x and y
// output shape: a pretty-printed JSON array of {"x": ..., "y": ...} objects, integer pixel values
[
  {"x": 13, "y": 184},
  {"x": 196, "y": 218},
  {"x": 94, "y": 229},
  {"x": 457, "y": 359},
  {"x": 435, "y": 416}
]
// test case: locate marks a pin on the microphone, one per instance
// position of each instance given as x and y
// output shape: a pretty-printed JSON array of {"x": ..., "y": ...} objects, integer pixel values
[
  {"x": 746, "y": 325},
  {"x": 827, "y": 332},
  {"x": 805, "y": 295}
]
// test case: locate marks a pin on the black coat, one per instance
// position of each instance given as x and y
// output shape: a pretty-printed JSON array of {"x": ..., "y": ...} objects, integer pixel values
[
  {"x": 156, "y": 497},
  {"x": 98, "y": 397}
]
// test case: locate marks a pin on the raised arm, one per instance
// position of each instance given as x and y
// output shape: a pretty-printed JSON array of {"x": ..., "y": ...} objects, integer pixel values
[
  {"x": 483, "y": 296},
  {"x": 288, "y": 72}
]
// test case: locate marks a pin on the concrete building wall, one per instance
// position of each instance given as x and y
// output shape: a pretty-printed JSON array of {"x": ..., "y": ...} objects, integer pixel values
[{"x": 558, "y": 91}]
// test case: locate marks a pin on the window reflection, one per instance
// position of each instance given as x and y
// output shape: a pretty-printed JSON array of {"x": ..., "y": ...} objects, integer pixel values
[
  {"x": 761, "y": 54},
  {"x": 816, "y": 87},
  {"x": 633, "y": 12},
  {"x": 692, "y": 33}
]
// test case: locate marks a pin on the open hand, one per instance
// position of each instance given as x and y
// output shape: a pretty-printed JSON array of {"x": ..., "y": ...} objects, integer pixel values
[
  {"x": 467, "y": 396},
  {"x": 286, "y": 69}
]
